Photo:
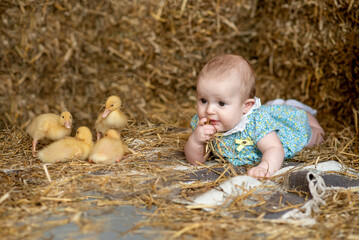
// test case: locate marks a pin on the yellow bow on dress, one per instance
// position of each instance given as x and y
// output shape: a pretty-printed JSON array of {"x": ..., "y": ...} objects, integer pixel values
[{"x": 242, "y": 143}]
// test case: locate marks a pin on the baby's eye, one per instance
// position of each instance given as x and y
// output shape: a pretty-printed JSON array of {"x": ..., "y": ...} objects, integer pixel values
[
  {"x": 221, "y": 103},
  {"x": 203, "y": 100}
]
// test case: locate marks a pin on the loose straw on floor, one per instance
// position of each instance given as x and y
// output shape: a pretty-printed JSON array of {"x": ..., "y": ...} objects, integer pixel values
[{"x": 47, "y": 173}]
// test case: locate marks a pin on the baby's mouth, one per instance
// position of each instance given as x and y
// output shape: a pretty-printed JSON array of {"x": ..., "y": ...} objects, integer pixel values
[{"x": 213, "y": 122}]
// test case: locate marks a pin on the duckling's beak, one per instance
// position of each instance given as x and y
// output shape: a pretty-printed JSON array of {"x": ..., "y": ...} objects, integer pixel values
[
  {"x": 67, "y": 124},
  {"x": 105, "y": 113}
]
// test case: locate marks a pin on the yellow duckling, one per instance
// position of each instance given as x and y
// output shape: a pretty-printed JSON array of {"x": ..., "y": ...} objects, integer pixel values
[
  {"x": 50, "y": 126},
  {"x": 111, "y": 118},
  {"x": 69, "y": 148},
  {"x": 108, "y": 149}
]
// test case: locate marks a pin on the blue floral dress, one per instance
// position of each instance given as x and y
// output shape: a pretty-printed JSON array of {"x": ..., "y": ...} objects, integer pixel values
[{"x": 239, "y": 148}]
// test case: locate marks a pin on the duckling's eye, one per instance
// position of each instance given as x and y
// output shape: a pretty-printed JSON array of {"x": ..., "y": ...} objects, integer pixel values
[
  {"x": 111, "y": 105},
  {"x": 77, "y": 132},
  {"x": 70, "y": 116},
  {"x": 106, "y": 135},
  {"x": 63, "y": 116}
]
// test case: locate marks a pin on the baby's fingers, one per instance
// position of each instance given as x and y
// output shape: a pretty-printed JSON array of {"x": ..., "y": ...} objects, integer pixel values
[
  {"x": 203, "y": 121},
  {"x": 257, "y": 172},
  {"x": 203, "y": 133},
  {"x": 209, "y": 129}
]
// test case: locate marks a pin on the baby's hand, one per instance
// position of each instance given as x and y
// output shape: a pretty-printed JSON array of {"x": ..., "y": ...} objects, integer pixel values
[
  {"x": 261, "y": 171},
  {"x": 203, "y": 132}
]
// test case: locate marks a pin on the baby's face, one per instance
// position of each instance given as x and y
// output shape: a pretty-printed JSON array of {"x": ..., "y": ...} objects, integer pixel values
[{"x": 220, "y": 102}]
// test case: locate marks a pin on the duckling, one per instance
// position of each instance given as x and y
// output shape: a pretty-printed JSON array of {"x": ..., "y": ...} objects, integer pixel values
[
  {"x": 108, "y": 149},
  {"x": 50, "y": 126},
  {"x": 69, "y": 148},
  {"x": 111, "y": 118}
]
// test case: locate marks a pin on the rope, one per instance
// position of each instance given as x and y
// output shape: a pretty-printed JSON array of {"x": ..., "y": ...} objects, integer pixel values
[{"x": 317, "y": 189}]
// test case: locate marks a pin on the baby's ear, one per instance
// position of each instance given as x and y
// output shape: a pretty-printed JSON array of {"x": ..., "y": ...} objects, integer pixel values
[{"x": 248, "y": 104}]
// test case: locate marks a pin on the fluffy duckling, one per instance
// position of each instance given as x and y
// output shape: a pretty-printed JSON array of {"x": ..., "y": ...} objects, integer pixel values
[
  {"x": 111, "y": 118},
  {"x": 69, "y": 148},
  {"x": 50, "y": 126},
  {"x": 108, "y": 149}
]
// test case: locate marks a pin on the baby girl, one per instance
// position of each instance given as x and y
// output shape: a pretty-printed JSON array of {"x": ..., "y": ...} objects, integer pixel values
[{"x": 248, "y": 132}]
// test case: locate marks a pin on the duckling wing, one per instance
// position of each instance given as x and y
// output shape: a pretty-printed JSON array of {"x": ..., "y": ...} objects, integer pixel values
[
  {"x": 100, "y": 125},
  {"x": 63, "y": 150},
  {"x": 107, "y": 151},
  {"x": 117, "y": 120},
  {"x": 40, "y": 125}
]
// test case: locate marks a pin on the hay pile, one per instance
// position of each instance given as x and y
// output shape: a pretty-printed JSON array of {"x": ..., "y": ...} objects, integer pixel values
[{"x": 71, "y": 55}]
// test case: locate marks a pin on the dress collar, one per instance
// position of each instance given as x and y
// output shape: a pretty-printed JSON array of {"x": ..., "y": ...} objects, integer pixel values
[{"x": 243, "y": 122}]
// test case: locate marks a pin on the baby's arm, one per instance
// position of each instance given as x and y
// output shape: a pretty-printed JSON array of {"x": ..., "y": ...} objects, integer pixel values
[
  {"x": 195, "y": 146},
  {"x": 273, "y": 156}
]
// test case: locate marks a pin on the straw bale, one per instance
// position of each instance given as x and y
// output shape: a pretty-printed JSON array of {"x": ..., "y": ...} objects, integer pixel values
[{"x": 72, "y": 55}]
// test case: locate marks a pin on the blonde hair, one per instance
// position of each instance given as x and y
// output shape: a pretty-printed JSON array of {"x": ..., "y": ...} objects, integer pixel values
[{"x": 220, "y": 66}]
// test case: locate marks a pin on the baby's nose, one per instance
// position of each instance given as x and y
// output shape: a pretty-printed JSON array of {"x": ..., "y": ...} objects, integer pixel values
[{"x": 210, "y": 109}]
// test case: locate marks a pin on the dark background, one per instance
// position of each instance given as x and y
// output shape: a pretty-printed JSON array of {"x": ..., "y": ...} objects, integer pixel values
[{"x": 67, "y": 54}]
